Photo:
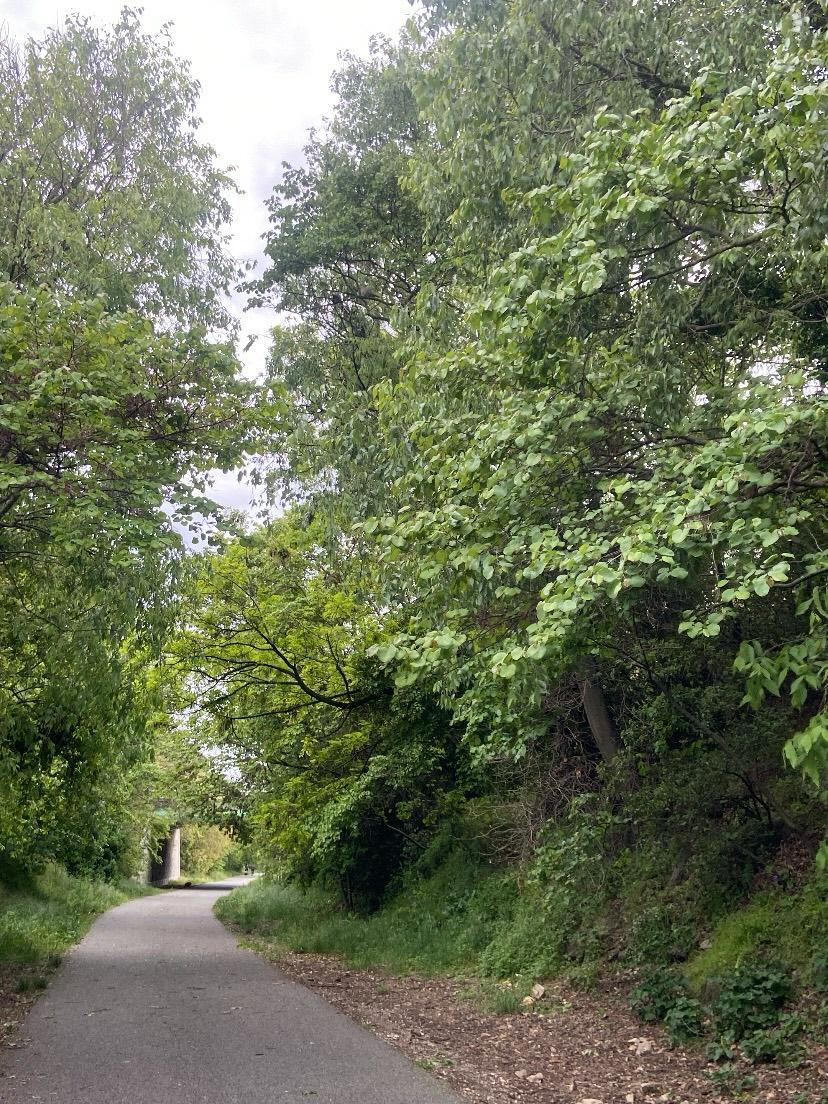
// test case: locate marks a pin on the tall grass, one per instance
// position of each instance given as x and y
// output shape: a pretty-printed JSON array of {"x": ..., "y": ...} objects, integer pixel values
[
  {"x": 464, "y": 918},
  {"x": 442, "y": 924},
  {"x": 46, "y": 914}
]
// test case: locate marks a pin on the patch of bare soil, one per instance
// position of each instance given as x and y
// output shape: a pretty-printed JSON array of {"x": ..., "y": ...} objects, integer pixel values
[
  {"x": 569, "y": 1048},
  {"x": 20, "y": 986}
]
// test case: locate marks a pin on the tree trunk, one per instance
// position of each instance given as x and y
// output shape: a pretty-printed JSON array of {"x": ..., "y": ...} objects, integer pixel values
[{"x": 601, "y": 724}]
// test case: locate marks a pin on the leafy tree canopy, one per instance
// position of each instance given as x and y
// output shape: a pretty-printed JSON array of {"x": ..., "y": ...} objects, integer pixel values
[
  {"x": 119, "y": 392},
  {"x": 587, "y": 428}
]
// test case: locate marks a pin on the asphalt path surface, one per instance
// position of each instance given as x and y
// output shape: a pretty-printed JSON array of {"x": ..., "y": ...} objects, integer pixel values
[{"x": 157, "y": 1005}]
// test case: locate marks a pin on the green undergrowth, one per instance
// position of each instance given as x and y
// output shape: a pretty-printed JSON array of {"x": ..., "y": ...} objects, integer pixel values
[
  {"x": 786, "y": 926},
  {"x": 468, "y": 918},
  {"x": 440, "y": 924},
  {"x": 41, "y": 916}
]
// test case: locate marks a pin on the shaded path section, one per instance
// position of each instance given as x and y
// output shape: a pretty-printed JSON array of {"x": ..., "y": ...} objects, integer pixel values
[{"x": 158, "y": 1005}]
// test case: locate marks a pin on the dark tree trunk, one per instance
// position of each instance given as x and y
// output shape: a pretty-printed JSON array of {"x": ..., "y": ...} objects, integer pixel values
[{"x": 601, "y": 724}]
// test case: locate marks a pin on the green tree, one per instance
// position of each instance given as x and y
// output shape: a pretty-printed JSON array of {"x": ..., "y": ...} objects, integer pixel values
[
  {"x": 651, "y": 372},
  {"x": 344, "y": 775},
  {"x": 119, "y": 392},
  {"x": 586, "y": 429},
  {"x": 504, "y": 87},
  {"x": 350, "y": 260},
  {"x": 106, "y": 187}
]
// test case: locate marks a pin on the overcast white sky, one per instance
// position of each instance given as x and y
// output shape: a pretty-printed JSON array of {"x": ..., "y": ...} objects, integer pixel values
[{"x": 264, "y": 69}]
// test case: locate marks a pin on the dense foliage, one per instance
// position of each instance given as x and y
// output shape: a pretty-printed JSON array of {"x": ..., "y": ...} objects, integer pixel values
[
  {"x": 555, "y": 347},
  {"x": 542, "y": 614},
  {"x": 118, "y": 393}
]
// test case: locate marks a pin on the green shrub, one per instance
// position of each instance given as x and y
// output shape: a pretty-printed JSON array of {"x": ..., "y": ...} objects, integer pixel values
[
  {"x": 746, "y": 1011},
  {"x": 718, "y": 1050},
  {"x": 775, "y": 1044},
  {"x": 749, "y": 1000},
  {"x": 571, "y": 865},
  {"x": 731, "y": 1080},
  {"x": 662, "y": 996},
  {"x": 656, "y": 994},
  {"x": 204, "y": 848},
  {"x": 683, "y": 1020}
]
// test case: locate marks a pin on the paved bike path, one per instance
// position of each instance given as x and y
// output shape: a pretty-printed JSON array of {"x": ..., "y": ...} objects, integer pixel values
[{"x": 157, "y": 1005}]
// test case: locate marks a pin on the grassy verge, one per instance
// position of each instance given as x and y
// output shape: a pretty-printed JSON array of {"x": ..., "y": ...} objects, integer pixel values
[
  {"x": 45, "y": 915},
  {"x": 441, "y": 925},
  {"x": 308, "y": 922},
  {"x": 466, "y": 920}
]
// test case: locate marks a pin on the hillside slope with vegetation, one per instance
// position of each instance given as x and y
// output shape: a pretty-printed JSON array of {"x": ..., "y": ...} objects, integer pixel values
[
  {"x": 530, "y": 676},
  {"x": 525, "y": 677}
]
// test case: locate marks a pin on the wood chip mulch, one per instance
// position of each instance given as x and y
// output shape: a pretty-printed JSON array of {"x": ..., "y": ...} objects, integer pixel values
[{"x": 570, "y": 1048}]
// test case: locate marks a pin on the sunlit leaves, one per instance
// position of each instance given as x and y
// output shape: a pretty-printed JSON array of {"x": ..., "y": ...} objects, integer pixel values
[{"x": 640, "y": 404}]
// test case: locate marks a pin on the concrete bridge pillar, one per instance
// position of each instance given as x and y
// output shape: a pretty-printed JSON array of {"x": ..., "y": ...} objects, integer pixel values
[{"x": 167, "y": 867}]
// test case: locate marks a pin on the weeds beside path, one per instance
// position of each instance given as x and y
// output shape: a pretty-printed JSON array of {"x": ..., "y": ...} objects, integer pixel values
[{"x": 40, "y": 918}]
